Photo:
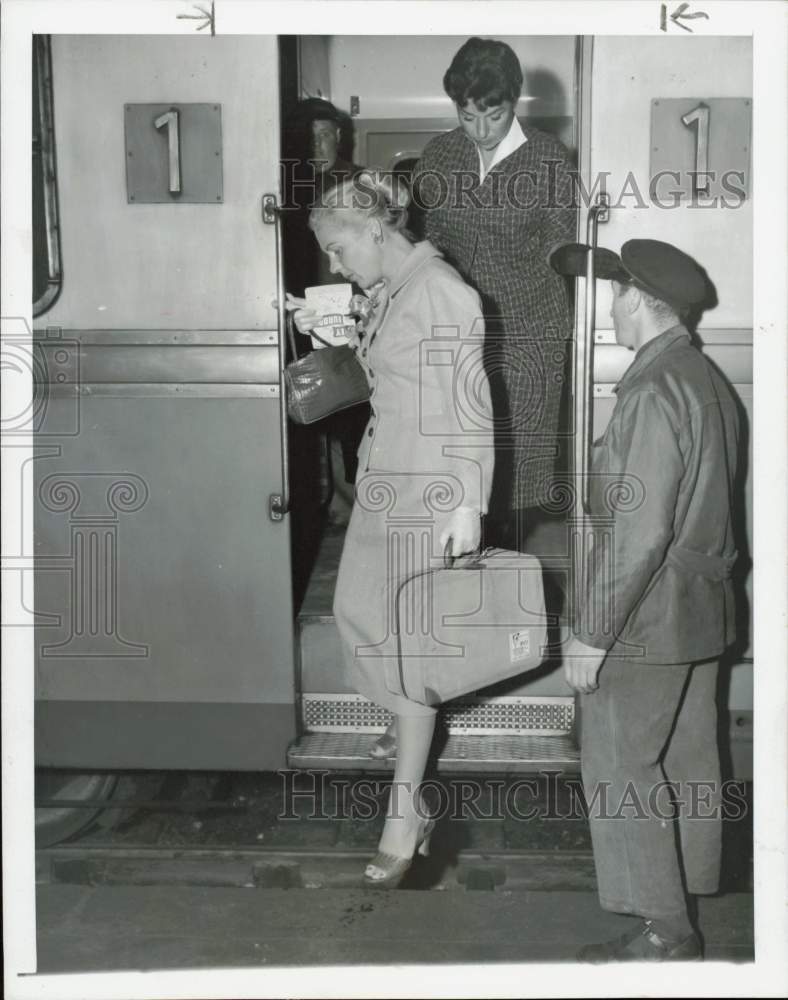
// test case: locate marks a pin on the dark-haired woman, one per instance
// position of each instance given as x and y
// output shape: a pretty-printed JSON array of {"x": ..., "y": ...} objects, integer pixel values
[{"x": 497, "y": 198}]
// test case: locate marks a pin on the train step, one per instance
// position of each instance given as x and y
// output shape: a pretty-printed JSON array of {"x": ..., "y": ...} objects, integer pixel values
[
  {"x": 523, "y": 725},
  {"x": 479, "y": 735}
]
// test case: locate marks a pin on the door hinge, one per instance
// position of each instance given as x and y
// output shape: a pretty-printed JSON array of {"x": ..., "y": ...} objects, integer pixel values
[
  {"x": 270, "y": 208},
  {"x": 276, "y": 511}
]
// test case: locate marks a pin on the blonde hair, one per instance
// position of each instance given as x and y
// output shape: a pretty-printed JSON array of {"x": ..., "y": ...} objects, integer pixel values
[{"x": 370, "y": 194}]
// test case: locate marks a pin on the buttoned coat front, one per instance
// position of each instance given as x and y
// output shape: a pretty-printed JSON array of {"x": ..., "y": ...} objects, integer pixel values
[
  {"x": 427, "y": 450},
  {"x": 658, "y": 586},
  {"x": 498, "y": 233}
]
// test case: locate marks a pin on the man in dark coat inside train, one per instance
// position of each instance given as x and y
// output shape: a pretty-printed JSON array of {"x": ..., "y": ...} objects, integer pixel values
[
  {"x": 655, "y": 610},
  {"x": 311, "y": 167}
]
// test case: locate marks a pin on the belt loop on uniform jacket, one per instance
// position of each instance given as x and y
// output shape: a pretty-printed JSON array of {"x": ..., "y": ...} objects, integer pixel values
[{"x": 711, "y": 567}]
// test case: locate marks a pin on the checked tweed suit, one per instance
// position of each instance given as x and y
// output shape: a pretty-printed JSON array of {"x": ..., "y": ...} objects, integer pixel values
[{"x": 498, "y": 234}]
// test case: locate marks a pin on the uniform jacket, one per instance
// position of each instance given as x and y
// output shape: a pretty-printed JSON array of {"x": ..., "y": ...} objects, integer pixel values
[
  {"x": 498, "y": 234},
  {"x": 431, "y": 410},
  {"x": 659, "y": 584}
]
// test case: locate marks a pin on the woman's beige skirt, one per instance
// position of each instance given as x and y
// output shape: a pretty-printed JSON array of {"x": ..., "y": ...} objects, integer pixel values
[{"x": 386, "y": 543}]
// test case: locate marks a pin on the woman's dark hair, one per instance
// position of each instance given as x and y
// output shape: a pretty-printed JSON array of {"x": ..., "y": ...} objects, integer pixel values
[{"x": 484, "y": 71}]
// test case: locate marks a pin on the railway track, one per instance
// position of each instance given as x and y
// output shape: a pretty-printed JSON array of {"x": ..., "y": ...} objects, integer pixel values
[
  {"x": 307, "y": 868},
  {"x": 261, "y": 831}
]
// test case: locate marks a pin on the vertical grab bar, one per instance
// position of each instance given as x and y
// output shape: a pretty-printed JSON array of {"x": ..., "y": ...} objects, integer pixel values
[
  {"x": 585, "y": 369},
  {"x": 279, "y": 503}
]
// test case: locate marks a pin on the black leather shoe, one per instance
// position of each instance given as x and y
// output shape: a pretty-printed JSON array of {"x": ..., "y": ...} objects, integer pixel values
[{"x": 643, "y": 945}]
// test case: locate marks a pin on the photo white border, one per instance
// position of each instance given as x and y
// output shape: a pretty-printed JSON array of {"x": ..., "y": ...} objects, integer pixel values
[{"x": 767, "y": 22}]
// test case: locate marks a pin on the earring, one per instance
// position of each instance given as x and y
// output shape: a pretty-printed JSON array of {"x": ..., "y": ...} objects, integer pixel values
[{"x": 378, "y": 238}]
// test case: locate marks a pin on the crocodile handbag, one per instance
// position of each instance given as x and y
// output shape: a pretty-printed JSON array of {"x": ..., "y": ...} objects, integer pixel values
[{"x": 323, "y": 382}]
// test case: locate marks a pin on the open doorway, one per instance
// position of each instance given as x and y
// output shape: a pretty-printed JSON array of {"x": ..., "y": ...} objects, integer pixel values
[{"x": 389, "y": 99}]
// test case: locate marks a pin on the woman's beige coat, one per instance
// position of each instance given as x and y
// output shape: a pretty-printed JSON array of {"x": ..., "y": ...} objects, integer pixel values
[{"x": 428, "y": 449}]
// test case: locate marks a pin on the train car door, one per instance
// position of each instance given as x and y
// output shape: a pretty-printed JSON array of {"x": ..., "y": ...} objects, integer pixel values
[
  {"x": 391, "y": 90},
  {"x": 164, "y": 628}
]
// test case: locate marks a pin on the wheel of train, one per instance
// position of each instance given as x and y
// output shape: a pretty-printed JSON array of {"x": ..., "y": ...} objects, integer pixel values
[
  {"x": 70, "y": 802},
  {"x": 77, "y": 791}
]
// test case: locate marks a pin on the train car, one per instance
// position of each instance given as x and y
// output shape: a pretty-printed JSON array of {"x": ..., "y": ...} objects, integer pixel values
[{"x": 184, "y": 557}]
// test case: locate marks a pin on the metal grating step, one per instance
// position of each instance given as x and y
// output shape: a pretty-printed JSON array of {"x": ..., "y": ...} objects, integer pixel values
[
  {"x": 510, "y": 716},
  {"x": 470, "y": 753}
]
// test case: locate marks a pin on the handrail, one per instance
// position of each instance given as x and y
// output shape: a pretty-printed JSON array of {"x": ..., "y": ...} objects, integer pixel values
[
  {"x": 279, "y": 504},
  {"x": 585, "y": 370}
]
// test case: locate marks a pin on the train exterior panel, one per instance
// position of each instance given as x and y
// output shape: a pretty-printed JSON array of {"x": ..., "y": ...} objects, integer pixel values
[{"x": 164, "y": 636}]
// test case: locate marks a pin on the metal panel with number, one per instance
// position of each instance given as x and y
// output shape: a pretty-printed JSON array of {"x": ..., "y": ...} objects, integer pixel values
[
  {"x": 173, "y": 152},
  {"x": 700, "y": 147},
  {"x": 130, "y": 266}
]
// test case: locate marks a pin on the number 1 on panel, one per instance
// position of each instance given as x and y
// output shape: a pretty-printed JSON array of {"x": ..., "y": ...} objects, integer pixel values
[
  {"x": 699, "y": 117},
  {"x": 170, "y": 119}
]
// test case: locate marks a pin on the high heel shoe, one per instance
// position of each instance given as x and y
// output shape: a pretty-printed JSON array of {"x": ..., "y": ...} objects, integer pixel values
[
  {"x": 395, "y": 867},
  {"x": 384, "y": 747}
]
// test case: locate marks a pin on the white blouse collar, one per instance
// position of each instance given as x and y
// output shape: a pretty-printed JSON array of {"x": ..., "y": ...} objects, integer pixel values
[{"x": 513, "y": 139}]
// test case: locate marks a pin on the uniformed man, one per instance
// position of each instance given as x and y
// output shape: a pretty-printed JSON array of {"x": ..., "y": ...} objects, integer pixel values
[{"x": 657, "y": 608}]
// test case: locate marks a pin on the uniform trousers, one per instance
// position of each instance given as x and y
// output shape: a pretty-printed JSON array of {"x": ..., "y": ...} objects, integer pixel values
[{"x": 646, "y": 726}]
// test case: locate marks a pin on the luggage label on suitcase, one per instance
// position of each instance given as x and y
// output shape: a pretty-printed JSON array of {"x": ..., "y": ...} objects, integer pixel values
[{"x": 466, "y": 627}]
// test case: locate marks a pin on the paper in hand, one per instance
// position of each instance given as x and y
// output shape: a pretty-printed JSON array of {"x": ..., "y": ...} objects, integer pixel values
[{"x": 332, "y": 303}]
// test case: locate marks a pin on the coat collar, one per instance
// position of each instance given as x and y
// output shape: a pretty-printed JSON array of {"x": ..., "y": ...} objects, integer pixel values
[
  {"x": 649, "y": 353},
  {"x": 419, "y": 255}
]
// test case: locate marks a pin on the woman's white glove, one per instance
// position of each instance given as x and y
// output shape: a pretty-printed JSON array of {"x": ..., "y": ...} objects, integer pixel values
[
  {"x": 305, "y": 319},
  {"x": 465, "y": 531}
]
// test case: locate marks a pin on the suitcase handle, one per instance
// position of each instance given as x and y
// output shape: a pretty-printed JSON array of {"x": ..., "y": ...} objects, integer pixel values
[{"x": 449, "y": 560}]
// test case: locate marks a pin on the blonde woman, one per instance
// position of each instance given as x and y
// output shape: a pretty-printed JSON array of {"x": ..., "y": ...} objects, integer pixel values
[{"x": 426, "y": 457}]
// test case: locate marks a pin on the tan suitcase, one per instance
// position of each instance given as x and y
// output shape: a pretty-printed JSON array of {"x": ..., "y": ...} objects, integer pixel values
[{"x": 465, "y": 627}]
